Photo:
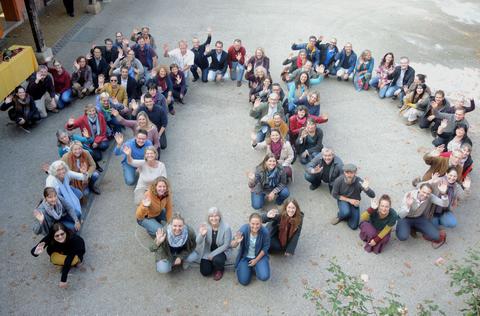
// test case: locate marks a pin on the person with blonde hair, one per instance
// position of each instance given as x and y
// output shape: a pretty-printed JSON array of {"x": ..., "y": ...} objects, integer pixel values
[
  {"x": 156, "y": 208},
  {"x": 174, "y": 245},
  {"x": 78, "y": 158},
  {"x": 142, "y": 122},
  {"x": 213, "y": 243},
  {"x": 363, "y": 71}
]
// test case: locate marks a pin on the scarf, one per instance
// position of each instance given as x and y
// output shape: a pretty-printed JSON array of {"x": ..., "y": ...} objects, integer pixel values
[
  {"x": 272, "y": 178},
  {"x": 162, "y": 83},
  {"x": 299, "y": 62},
  {"x": 97, "y": 125},
  {"x": 74, "y": 166},
  {"x": 55, "y": 211},
  {"x": 451, "y": 193},
  {"x": 276, "y": 148},
  {"x": 287, "y": 228},
  {"x": 177, "y": 241}
]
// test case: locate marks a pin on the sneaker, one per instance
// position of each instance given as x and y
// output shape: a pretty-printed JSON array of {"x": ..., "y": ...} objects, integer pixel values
[
  {"x": 339, "y": 79},
  {"x": 218, "y": 275},
  {"x": 413, "y": 233},
  {"x": 416, "y": 181},
  {"x": 172, "y": 111},
  {"x": 335, "y": 220},
  {"x": 239, "y": 84},
  {"x": 394, "y": 97},
  {"x": 313, "y": 186},
  {"x": 410, "y": 123},
  {"x": 194, "y": 79},
  {"x": 54, "y": 110}
]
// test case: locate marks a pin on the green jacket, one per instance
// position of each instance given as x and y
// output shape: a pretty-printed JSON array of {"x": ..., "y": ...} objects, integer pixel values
[{"x": 162, "y": 252}]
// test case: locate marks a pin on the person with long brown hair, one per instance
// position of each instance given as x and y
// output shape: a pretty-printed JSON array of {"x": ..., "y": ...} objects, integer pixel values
[
  {"x": 157, "y": 206},
  {"x": 284, "y": 227},
  {"x": 21, "y": 108},
  {"x": 75, "y": 159}
]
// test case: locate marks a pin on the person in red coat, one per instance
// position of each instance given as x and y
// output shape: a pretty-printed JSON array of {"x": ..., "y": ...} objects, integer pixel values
[
  {"x": 94, "y": 123},
  {"x": 299, "y": 120},
  {"x": 63, "y": 84}
]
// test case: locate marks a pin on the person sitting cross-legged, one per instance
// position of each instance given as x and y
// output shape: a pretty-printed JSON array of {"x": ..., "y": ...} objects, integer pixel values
[
  {"x": 309, "y": 142},
  {"x": 377, "y": 223},
  {"x": 268, "y": 182}
]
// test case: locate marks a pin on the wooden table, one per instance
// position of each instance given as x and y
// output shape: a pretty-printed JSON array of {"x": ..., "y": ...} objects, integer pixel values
[{"x": 16, "y": 70}]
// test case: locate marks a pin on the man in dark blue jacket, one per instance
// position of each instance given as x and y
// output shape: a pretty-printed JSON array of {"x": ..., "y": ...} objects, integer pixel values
[
  {"x": 200, "y": 61},
  {"x": 219, "y": 63},
  {"x": 345, "y": 62}
]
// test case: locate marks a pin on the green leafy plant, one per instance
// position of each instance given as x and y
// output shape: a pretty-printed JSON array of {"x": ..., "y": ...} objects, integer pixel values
[
  {"x": 347, "y": 295},
  {"x": 466, "y": 277}
]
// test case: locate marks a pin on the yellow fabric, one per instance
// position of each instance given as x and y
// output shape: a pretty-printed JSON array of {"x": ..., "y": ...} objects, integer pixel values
[
  {"x": 16, "y": 70},
  {"x": 365, "y": 216},
  {"x": 387, "y": 229},
  {"x": 59, "y": 259}
]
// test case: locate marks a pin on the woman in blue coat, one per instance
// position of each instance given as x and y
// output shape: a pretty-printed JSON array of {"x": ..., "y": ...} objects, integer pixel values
[{"x": 254, "y": 241}]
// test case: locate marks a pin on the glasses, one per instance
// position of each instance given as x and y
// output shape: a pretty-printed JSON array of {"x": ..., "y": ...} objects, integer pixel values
[
  {"x": 113, "y": 80},
  {"x": 59, "y": 235}
]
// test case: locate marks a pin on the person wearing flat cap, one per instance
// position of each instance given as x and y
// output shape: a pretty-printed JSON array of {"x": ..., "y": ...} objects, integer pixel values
[{"x": 347, "y": 189}]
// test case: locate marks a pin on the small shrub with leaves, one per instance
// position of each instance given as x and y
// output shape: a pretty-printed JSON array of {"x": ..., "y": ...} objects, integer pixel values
[{"x": 347, "y": 295}]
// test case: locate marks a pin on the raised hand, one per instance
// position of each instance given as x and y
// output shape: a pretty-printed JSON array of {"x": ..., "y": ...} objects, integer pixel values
[
  {"x": 209, "y": 30},
  {"x": 271, "y": 196},
  {"x": 443, "y": 186},
  {"x": 146, "y": 201},
  {"x": 320, "y": 69},
  {"x": 437, "y": 151},
  {"x": 251, "y": 176},
  {"x": 120, "y": 54},
  {"x": 374, "y": 203},
  {"x": 76, "y": 66},
  {"x": 203, "y": 229},
  {"x": 40, "y": 248},
  {"x": 257, "y": 103},
  {"x": 160, "y": 236},
  {"x": 45, "y": 167},
  {"x": 134, "y": 105},
  {"x": 71, "y": 121},
  {"x": 38, "y": 77},
  {"x": 238, "y": 237},
  {"x": 83, "y": 167},
  {"x": 127, "y": 150},
  {"x": 435, "y": 177},
  {"x": 239, "y": 56},
  {"x": 365, "y": 184},
  {"x": 177, "y": 262},
  {"x": 165, "y": 47},
  {"x": 317, "y": 169},
  {"x": 249, "y": 67},
  {"x": 272, "y": 213},
  {"x": 444, "y": 123},
  {"x": 467, "y": 183},
  {"x": 115, "y": 112},
  {"x": 118, "y": 138},
  {"x": 178, "y": 79},
  {"x": 85, "y": 132},
  {"x": 77, "y": 225},
  {"x": 38, "y": 215},
  {"x": 9, "y": 98}
]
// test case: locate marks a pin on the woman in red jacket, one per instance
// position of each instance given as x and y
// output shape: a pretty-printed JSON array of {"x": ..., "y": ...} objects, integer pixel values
[
  {"x": 95, "y": 125},
  {"x": 63, "y": 84},
  {"x": 299, "y": 120}
]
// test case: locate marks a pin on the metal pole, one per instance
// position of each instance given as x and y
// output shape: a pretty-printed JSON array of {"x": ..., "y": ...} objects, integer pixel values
[{"x": 35, "y": 25}]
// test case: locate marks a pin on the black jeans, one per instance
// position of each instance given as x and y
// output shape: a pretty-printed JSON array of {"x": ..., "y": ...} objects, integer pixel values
[
  {"x": 207, "y": 267},
  {"x": 68, "y": 6},
  {"x": 163, "y": 141}
]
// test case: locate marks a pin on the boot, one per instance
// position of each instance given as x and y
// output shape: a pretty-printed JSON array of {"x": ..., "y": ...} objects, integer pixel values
[
  {"x": 438, "y": 243},
  {"x": 93, "y": 188}
]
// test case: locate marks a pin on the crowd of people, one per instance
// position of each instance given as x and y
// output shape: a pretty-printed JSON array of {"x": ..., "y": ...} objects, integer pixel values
[{"x": 133, "y": 90}]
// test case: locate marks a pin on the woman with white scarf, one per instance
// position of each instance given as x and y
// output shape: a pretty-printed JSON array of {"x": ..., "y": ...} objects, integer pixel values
[
  {"x": 59, "y": 177},
  {"x": 213, "y": 243},
  {"x": 52, "y": 209},
  {"x": 174, "y": 245}
]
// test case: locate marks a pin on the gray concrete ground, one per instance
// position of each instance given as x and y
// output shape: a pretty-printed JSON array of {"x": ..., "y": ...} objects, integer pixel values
[{"x": 209, "y": 153}]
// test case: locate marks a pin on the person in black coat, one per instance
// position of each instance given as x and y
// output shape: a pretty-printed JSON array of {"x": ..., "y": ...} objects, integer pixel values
[
  {"x": 219, "y": 63},
  {"x": 21, "y": 108},
  {"x": 398, "y": 89},
  {"x": 129, "y": 83},
  {"x": 109, "y": 51},
  {"x": 200, "y": 61},
  {"x": 99, "y": 66},
  {"x": 64, "y": 248}
]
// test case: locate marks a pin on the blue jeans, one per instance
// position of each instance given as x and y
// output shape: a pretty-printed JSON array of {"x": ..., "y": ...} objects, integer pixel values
[
  {"x": 244, "y": 272},
  {"x": 93, "y": 179},
  {"x": 258, "y": 199},
  {"x": 129, "y": 174},
  {"x": 347, "y": 211},
  {"x": 165, "y": 266},
  {"x": 64, "y": 98},
  {"x": 387, "y": 91},
  {"x": 422, "y": 224},
  {"x": 68, "y": 222},
  {"x": 154, "y": 223},
  {"x": 446, "y": 219},
  {"x": 262, "y": 133},
  {"x": 374, "y": 82},
  {"x": 237, "y": 71}
]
